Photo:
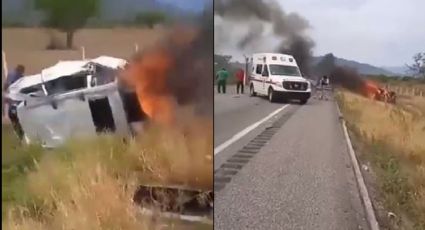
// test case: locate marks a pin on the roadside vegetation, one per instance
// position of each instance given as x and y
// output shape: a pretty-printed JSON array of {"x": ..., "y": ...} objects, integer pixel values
[
  {"x": 390, "y": 139},
  {"x": 89, "y": 184}
]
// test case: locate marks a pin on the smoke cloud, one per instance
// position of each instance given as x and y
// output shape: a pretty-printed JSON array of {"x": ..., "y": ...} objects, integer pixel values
[
  {"x": 192, "y": 78},
  {"x": 343, "y": 76},
  {"x": 263, "y": 19},
  {"x": 347, "y": 78}
]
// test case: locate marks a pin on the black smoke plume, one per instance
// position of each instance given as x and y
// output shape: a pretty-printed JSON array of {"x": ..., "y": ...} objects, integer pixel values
[
  {"x": 345, "y": 77},
  {"x": 192, "y": 78},
  {"x": 289, "y": 28}
]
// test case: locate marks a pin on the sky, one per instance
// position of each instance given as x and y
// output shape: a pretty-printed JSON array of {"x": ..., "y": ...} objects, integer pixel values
[
  {"x": 192, "y": 5},
  {"x": 377, "y": 32}
]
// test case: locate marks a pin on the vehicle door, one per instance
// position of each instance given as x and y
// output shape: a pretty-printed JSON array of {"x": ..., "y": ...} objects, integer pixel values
[
  {"x": 258, "y": 80},
  {"x": 265, "y": 79}
]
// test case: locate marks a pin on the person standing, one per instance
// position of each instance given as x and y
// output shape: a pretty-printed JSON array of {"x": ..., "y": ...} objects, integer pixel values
[
  {"x": 12, "y": 77},
  {"x": 324, "y": 83},
  {"x": 239, "y": 80},
  {"x": 222, "y": 76}
]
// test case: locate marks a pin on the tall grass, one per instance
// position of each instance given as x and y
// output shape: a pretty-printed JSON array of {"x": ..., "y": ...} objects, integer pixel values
[
  {"x": 89, "y": 184},
  {"x": 393, "y": 140}
]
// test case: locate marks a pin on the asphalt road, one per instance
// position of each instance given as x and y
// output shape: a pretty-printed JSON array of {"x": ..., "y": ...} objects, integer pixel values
[{"x": 301, "y": 178}]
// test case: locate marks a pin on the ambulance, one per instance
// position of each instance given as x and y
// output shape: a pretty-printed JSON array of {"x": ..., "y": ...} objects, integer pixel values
[{"x": 277, "y": 76}]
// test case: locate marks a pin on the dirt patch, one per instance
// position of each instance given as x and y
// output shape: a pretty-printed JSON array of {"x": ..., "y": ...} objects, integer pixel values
[{"x": 27, "y": 46}]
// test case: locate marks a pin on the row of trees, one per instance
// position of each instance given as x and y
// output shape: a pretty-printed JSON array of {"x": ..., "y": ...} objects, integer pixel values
[
  {"x": 70, "y": 15},
  {"x": 328, "y": 64},
  {"x": 416, "y": 69}
]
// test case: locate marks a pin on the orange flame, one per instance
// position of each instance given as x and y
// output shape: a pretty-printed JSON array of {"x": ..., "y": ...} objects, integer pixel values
[
  {"x": 373, "y": 91},
  {"x": 148, "y": 75},
  {"x": 370, "y": 89}
]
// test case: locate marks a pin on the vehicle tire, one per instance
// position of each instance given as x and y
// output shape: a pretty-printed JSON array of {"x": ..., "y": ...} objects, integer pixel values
[
  {"x": 303, "y": 101},
  {"x": 252, "y": 93},
  {"x": 272, "y": 95}
]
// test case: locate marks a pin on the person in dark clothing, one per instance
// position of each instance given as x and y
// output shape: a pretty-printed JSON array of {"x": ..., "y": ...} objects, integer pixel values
[
  {"x": 12, "y": 77},
  {"x": 239, "y": 80}
]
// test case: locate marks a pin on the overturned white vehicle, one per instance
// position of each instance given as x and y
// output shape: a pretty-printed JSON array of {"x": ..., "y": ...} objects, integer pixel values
[{"x": 74, "y": 98}]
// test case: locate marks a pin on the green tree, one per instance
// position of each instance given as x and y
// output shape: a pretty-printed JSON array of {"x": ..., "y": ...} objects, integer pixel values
[
  {"x": 67, "y": 15},
  {"x": 418, "y": 66},
  {"x": 150, "y": 18}
]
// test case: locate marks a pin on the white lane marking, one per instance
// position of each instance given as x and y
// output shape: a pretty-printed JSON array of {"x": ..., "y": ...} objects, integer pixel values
[{"x": 248, "y": 129}]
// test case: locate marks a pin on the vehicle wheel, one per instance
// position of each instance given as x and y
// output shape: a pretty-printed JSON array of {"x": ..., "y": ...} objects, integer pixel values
[
  {"x": 303, "y": 101},
  {"x": 252, "y": 93},
  {"x": 272, "y": 95}
]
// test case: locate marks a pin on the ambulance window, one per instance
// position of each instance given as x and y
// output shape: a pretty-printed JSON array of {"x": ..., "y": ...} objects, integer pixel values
[
  {"x": 265, "y": 71},
  {"x": 259, "y": 69}
]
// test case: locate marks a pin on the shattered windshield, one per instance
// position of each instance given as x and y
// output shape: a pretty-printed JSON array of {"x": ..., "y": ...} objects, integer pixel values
[{"x": 284, "y": 70}]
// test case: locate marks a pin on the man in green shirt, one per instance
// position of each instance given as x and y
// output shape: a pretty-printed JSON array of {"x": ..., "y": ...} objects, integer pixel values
[{"x": 222, "y": 76}]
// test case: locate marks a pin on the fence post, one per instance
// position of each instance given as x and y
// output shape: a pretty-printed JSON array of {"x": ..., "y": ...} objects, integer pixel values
[{"x": 83, "y": 53}]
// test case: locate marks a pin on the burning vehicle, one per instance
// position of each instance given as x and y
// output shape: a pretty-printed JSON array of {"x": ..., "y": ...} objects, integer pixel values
[
  {"x": 373, "y": 91},
  {"x": 350, "y": 79},
  {"x": 86, "y": 97},
  {"x": 75, "y": 98}
]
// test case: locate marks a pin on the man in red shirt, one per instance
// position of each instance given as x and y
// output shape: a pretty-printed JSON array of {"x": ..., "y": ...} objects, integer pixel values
[{"x": 239, "y": 75}]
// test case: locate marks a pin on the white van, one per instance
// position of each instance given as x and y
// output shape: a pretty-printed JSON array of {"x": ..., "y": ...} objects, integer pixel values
[
  {"x": 75, "y": 98},
  {"x": 277, "y": 76}
]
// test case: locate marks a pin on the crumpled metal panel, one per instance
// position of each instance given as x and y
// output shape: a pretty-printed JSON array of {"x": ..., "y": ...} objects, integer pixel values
[
  {"x": 120, "y": 118},
  {"x": 72, "y": 117},
  {"x": 52, "y": 127}
]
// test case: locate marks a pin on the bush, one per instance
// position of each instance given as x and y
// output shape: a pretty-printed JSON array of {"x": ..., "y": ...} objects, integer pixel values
[{"x": 12, "y": 24}]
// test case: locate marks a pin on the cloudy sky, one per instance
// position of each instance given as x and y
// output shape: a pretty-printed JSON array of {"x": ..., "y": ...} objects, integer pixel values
[{"x": 378, "y": 32}]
